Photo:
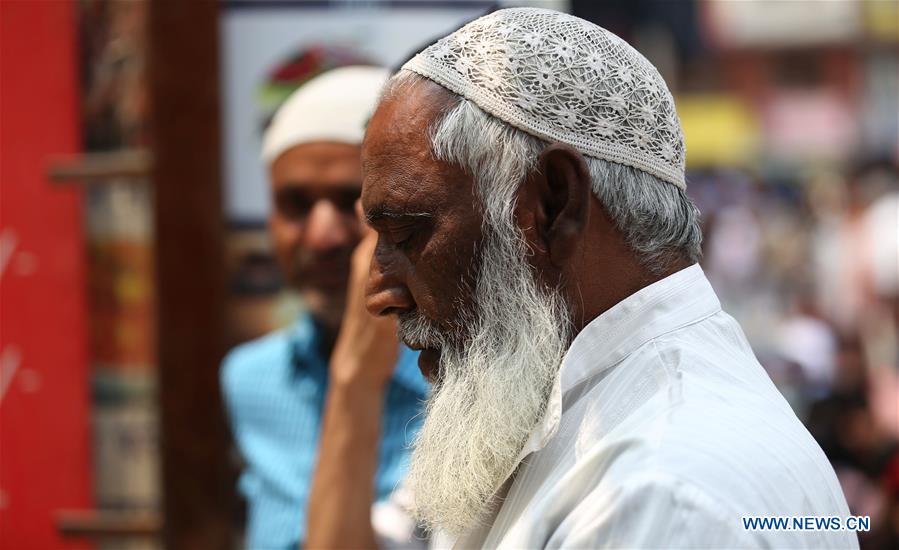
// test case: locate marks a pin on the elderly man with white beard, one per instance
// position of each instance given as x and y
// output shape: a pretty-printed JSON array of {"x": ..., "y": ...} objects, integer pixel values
[{"x": 525, "y": 178}]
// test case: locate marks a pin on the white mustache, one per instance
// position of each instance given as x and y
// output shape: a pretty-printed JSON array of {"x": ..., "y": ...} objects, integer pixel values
[{"x": 418, "y": 332}]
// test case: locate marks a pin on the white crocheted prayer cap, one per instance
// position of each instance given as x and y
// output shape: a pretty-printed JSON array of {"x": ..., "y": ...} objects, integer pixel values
[
  {"x": 334, "y": 106},
  {"x": 564, "y": 79}
]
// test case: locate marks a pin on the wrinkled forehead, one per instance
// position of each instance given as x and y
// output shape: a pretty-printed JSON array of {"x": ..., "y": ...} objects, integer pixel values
[
  {"x": 398, "y": 166},
  {"x": 402, "y": 121}
]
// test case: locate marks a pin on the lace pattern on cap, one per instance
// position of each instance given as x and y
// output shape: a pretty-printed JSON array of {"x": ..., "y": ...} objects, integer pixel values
[{"x": 564, "y": 79}]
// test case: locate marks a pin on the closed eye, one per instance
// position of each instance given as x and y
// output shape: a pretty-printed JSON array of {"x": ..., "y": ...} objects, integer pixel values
[
  {"x": 398, "y": 227},
  {"x": 401, "y": 234}
]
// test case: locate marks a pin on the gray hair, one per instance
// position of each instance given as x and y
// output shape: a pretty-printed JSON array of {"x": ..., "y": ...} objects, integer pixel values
[{"x": 658, "y": 220}]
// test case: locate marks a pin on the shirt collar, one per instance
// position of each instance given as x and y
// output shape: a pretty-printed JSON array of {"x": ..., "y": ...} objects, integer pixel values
[
  {"x": 305, "y": 341},
  {"x": 680, "y": 299}
]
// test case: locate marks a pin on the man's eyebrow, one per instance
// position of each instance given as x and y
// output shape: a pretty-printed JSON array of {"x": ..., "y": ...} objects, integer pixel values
[
  {"x": 302, "y": 185},
  {"x": 379, "y": 213}
]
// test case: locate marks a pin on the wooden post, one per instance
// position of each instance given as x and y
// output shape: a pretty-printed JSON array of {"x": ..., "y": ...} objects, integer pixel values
[{"x": 183, "y": 84}]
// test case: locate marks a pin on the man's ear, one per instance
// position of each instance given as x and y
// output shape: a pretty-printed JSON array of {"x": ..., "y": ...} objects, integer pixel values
[{"x": 564, "y": 191}]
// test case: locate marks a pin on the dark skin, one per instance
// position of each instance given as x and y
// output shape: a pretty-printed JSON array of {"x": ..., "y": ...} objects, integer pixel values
[
  {"x": 575, "y": 246},
  {"x": 313, "y": 224},
  {"x": 316, "y": 231},
  {"x": 427, "y": 219}
]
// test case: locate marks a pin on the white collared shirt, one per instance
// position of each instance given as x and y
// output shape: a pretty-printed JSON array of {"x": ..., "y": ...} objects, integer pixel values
[{"x": 663, "y": 430}]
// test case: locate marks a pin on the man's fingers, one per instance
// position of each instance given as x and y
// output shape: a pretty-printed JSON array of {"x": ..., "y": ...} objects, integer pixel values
[{"x": 366, "y": 229}]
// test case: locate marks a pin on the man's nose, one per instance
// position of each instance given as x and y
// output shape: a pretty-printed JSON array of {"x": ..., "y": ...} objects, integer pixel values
[
  {"x": 385, "y": 293},
  {"x": 328, "y": 228}
]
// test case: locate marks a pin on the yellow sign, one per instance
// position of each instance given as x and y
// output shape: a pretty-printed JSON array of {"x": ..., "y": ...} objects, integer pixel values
[{"x": 720, "y": 130}]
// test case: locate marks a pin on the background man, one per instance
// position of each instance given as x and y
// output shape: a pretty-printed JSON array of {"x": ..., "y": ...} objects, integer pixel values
[
  {"x": 276, "y": 387},
  {"x": 525, "y": 176}
]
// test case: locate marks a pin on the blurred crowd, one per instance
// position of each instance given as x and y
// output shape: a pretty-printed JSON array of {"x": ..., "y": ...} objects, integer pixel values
[{"x": 809, "y": 268}]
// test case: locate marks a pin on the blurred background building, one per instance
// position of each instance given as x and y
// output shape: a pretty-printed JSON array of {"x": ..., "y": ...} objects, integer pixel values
[{"x": 133, "y": 249}]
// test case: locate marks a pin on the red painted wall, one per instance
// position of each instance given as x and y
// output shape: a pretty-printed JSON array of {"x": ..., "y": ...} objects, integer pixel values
[{"x": 44, "y": 404}]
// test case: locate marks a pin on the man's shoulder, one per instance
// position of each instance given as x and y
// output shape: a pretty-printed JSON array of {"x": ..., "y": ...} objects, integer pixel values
[
  {"x": 722, "y": 427},
  {"x": 244, "y": 362},
  {"x": 730, "y": 456},
  {"x": 651, "y": 509},
  {"x": 680, "y": 464}
]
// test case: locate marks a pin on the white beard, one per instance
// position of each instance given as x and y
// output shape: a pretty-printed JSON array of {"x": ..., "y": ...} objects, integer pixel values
[{"x": 492, "y": 386}]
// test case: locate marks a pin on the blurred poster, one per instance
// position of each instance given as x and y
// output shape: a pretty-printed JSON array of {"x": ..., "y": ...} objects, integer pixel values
[{"x": 268, "y": 49}]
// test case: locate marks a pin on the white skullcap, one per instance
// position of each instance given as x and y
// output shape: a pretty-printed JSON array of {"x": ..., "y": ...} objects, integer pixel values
[
  {"x": 334, "y": 106},
  {"x": 563, "y": 79}
]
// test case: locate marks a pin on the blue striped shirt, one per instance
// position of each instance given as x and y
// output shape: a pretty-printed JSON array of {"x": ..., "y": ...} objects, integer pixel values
[{"x": 274, "y": 389}]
